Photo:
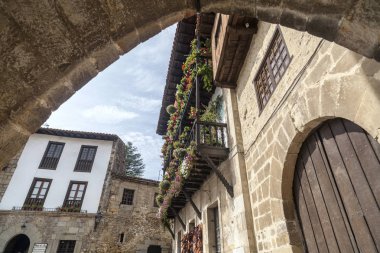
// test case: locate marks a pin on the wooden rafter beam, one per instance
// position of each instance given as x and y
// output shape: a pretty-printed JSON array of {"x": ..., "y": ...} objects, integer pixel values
[
  {"x": 170, "y": 230},
  {"x": 219, "y": 174},
  {"x": 179, "y": 218},
  {"x": 192, "y": 204}
]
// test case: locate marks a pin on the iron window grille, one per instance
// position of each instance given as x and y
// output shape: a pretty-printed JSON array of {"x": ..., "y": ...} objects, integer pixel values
[
  {"x": 66, "y": 246},
  {"x": 37, "y": 194},
  {"x": 74, "y": 196},
  {"x": 86, "y": 158},
  {"x": 272, "y": 69},
  {"x": 127, "y": 197},
  {"x": 51, "y": 156}
]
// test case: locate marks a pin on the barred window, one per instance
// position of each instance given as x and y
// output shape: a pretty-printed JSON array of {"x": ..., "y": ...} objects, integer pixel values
[
  {"x": 66, "y": 246},
  {"x": 273, "y": 67},
  {"x": 86, "y": 158},
  {"x": 52, "y": 154},
  {"x": 127, "y": 197}
]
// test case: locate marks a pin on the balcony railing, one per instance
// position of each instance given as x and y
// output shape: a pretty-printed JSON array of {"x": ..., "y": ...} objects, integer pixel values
[
  {"x": 33, "y": 204},
  {"x": 72, "y": 206},
  {"x": 84, "y": 165},
  {"x": 49, "y": 163},
  {"x": 43, "y": 209}
]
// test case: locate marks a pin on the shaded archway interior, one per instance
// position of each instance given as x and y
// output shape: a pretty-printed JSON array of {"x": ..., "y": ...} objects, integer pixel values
[
  {"x": 48, "y": 53},
  {"x": 336, "y": 189},
  {"x": 154, "y": 249},
  {"x": 18, "y": 244}
]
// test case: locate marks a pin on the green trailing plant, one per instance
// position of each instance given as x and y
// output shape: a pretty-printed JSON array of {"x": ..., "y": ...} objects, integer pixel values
[
  {"x": 181, "y": 163},
  {"x": 159, "y": 199}
]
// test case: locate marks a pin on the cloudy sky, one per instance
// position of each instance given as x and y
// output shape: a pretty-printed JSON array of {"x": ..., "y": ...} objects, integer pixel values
[{"x": 125, "y": 99}]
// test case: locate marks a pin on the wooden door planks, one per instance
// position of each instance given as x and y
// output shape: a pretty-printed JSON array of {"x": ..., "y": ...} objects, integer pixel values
[{"x": 336, "y": 189}]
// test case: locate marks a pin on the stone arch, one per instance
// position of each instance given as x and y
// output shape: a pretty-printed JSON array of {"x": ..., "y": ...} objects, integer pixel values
[
  {"x": 19, "y": 242},
  {"x": 353, "y": 95},
  {"x": 55, "y": 51},
  {"x": 29, "y": 230}
]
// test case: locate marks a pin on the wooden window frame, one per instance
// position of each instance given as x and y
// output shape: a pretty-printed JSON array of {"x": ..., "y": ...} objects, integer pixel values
[
  {"x": 28, "y": 197},
  {"x": 65, "y": 249},
  {"x": 217, "y": 229},
  {"x": 55, "y": 164},
  {"x": 78, "y": 167},
  {"x": 124, "y": 193},
  {"x": 69, "y": 208},
  {"x": 265, "y": 62}
]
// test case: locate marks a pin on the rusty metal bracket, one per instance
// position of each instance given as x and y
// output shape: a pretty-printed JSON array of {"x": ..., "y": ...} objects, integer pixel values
[{"x": 227, "y": 185}]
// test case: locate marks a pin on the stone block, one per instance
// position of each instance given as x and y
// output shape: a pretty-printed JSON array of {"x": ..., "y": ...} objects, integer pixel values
[
  {"x": 370, "y": 67},
  {"x": 347, "y": 62}
]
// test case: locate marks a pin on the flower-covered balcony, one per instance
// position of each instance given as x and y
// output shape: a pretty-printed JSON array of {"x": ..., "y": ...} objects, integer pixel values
[{"x": 195, "y": 135}]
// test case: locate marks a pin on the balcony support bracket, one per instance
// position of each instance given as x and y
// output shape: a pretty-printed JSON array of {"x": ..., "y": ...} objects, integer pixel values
[
  {"x": 170, "y": 230},
  {"x": 219, "y": 174},
  {"x": 179, "y": 218},
  {"x": 192, "y": 203}
]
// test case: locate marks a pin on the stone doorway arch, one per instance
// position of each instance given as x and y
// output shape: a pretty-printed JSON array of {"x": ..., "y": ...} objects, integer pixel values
[
  {"x": 336, "y": 189},
  {"x": 18, "y": 244},
  {"x": 50, "y": 49}
]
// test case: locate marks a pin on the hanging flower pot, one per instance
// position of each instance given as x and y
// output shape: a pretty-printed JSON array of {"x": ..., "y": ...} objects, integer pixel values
[{"x": 171, "y": 109}]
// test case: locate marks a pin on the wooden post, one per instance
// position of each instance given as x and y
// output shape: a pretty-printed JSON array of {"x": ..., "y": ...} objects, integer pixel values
[
  {"x": 170, "y": 230},
  {"x": 227, "y": 185},
  {"x": 192, "y": 204},
  {"x": 179, "y": 218}
]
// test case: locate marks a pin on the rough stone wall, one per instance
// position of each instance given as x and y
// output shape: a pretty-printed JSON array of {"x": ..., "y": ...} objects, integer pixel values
[
  {"x": 50, "y": 49},
  {"x": 138, "y": 222},
  {"x": 116, "y": 166},
  {"x": 323, "y": 81},
  {"x": 46, "y": 227},
  {"x": 6, "y": 174}
]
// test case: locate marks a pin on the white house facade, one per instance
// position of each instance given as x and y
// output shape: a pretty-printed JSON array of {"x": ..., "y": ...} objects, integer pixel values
[
  {"x": 67, "y": 192},
  {"x": 54, "y": 170}
]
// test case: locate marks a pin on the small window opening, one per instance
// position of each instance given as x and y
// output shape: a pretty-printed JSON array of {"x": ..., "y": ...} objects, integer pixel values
[{"x": 121, "y": 237}]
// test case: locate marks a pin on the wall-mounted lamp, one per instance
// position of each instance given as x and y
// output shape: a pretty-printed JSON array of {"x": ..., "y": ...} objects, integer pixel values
[
  {"x": 23, "y": 226},
  {"x": 98, "y": 218}
]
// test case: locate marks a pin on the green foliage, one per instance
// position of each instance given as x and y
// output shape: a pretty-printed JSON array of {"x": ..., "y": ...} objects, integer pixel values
[
  {"x": 134, "y": 165},
  {"x": 164, "y": 185},
  {"x": 211, "y": 113},
  {"x": 171, "y": 109}
]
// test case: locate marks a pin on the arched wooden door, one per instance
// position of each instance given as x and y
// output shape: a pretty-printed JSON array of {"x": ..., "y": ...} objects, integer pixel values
[{"x": 337, "y": 189}]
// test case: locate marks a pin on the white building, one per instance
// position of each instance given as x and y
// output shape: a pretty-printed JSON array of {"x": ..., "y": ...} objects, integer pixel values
[
  {"x": 60, "y": 169},
  {"x": 67, "y": 192}
]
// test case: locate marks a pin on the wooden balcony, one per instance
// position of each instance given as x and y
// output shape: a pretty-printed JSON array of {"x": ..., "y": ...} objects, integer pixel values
[{"x": 211, "y": 150}]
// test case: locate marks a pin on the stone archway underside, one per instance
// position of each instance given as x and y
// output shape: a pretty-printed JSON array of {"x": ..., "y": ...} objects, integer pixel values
[{"x": 50, "y": 49}]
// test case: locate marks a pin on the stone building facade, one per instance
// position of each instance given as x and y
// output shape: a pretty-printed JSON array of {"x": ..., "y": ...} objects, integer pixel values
[
  {"x": 31, "y": 229},
  {"x": 321, "y": 84}
]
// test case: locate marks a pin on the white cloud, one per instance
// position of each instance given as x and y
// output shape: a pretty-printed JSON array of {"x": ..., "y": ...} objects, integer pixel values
[
  {"x": 139, "y": 103},
  {"x": 108, "y": 114}
]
